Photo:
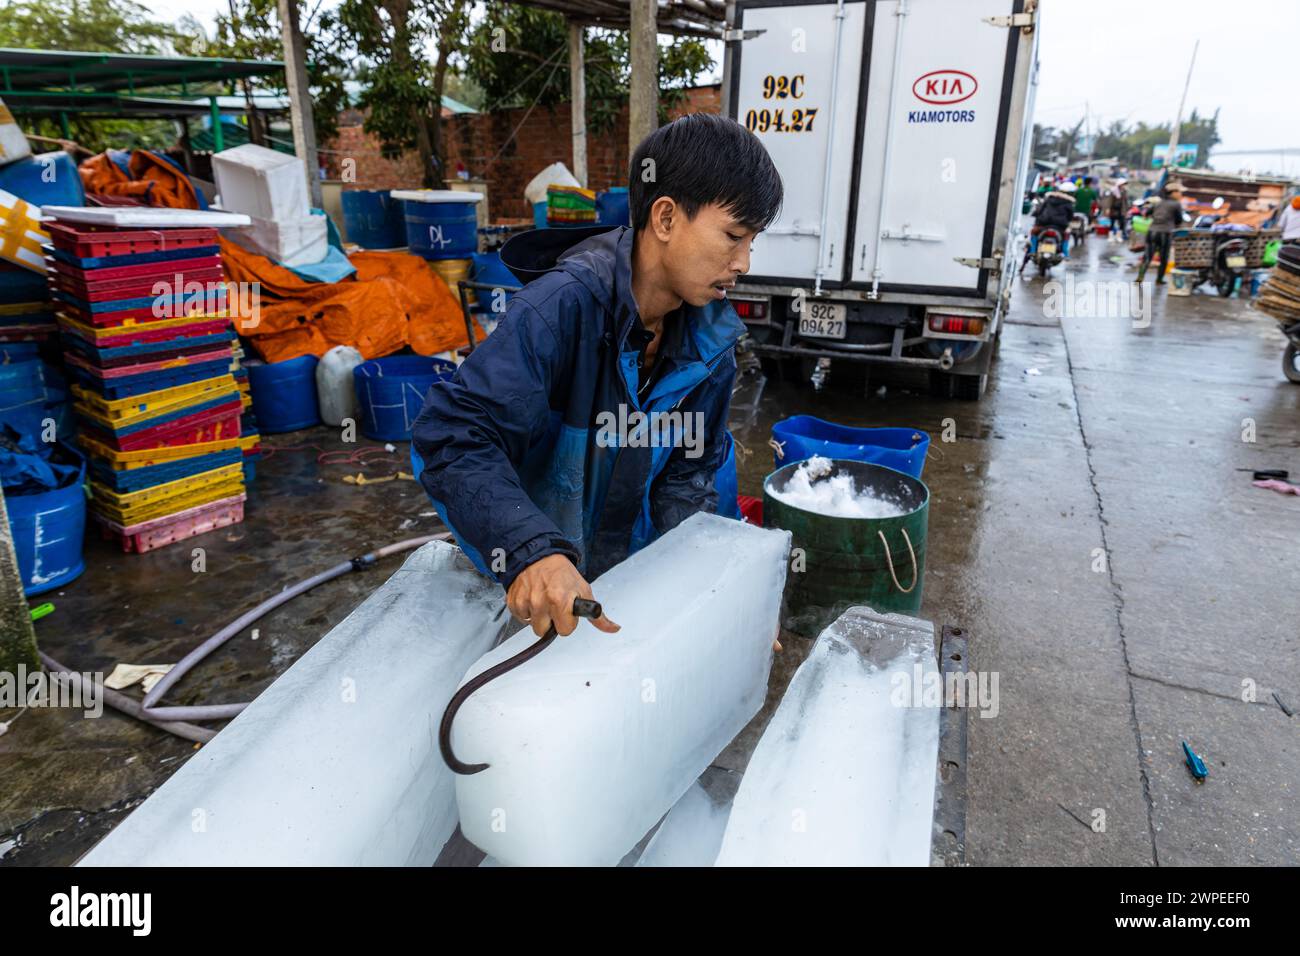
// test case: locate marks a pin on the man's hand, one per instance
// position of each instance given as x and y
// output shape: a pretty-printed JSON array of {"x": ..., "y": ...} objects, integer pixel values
[{"x": 543, "y": 594}]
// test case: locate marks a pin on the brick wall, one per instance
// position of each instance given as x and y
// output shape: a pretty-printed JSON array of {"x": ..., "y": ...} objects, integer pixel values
[{"x": 483, "y": 143}]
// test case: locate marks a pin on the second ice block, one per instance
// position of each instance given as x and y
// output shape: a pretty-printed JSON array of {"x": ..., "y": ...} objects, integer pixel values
[{"x": 593, "y": 740}]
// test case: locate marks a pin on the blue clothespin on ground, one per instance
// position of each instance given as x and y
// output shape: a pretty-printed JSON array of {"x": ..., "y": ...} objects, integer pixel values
[{"x": 1195, "y": 764}]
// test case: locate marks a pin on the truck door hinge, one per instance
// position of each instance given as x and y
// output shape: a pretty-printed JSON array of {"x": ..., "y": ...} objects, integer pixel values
[
  {"x": 992, "y": 263},
  {"x": 1023, "y": 21},
  {"x": 733, "y": 35}
]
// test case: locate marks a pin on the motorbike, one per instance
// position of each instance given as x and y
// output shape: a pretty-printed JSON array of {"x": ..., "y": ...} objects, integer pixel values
[
  {"x": 1049, "y": 249},
  {"x": 1227, "y": 266},
  {"x": 1291, "y": 354},
  {"x": 1078, "y": 229}
]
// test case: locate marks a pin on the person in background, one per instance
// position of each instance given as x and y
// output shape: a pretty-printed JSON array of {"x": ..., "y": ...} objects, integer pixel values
[
  {"x": 1084, "y": 197},
  {"x": 1115, "y": 205},
  {"x": 1056, "y": 211},
  {"x": 1167, "y": 216},
  {"x": 1289, "y": 221}
]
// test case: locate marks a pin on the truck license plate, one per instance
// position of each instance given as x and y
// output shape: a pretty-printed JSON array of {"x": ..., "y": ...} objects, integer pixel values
[
  {"x": 1236, "y": 262},
  {"x": 823, "y": 320}
]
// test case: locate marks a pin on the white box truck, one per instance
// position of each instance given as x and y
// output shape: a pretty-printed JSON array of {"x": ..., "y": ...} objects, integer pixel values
[{"x": 902, "y": 130}]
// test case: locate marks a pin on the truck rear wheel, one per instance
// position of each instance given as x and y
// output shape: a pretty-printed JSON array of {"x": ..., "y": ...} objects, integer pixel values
[{"x": 966, "y": 388}]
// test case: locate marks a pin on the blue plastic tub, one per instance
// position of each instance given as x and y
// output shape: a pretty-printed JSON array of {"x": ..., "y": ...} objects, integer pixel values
[
  {"x": 50, "y": 179},
  {"x": 284, "y": 394},
  {"x": 612, "y": 207},
  {"x": 442, "y": 230},
  {"x": 48, "y": 528},
  {"x": 390, "y": 392},
  {"x": 539, "y": 214},
  {"x": 373, "y": 219},
  {"x": 22, "y": 395},
  {"x": 803, "y": 436}
]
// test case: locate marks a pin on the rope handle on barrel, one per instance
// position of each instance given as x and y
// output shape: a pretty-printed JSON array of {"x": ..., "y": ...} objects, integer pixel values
[
  {"x": 777, "y": 446},
  {"x": 890, "y": 561}
]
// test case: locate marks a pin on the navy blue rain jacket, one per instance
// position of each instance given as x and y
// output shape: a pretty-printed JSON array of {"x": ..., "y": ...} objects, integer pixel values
[{"x": 510, "y": 450}]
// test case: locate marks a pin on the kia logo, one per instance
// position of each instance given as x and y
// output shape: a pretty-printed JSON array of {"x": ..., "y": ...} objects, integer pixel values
[{"x": 945, "y": 87}]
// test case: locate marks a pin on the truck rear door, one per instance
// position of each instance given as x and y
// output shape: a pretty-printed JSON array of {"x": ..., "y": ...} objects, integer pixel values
[{"x": 934, "y": 121}]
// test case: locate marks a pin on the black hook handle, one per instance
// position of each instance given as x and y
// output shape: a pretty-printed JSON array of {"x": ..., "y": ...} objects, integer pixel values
[{"x": 581, "y": 608}]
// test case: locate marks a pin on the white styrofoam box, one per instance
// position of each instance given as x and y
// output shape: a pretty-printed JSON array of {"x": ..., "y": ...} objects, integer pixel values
[
  {"x": 13, "y": 144},
  {"x": 143, "y": 217},
  {"x": 436, "y": 195},
  {"x": 299, "y": 241},
  {"x": 336, "y": 763},
  {"x": 556, "y": 174},
  {"x": 263, "y": 183}
]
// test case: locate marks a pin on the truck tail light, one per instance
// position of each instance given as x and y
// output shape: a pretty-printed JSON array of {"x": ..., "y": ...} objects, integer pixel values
[
  {"x": 751, "y": 309},
  {"x": 957, "y": 324}
]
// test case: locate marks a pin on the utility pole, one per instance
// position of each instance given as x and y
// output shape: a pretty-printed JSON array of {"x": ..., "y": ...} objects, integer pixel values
[
  {"x": 1178, "y": 123},
  {"x": 643, "y": 94},
  {"x": 295, "y": 74}
]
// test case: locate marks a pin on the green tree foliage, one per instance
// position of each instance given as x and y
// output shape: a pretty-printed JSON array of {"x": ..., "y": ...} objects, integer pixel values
[
  {"x": 112, "y": 26},
  {"x": 402, "y": 85},
  {"x": 519, "y": 56},
  {"x": 1131, "y": 145},
  {"x": 252, "y": 32}
]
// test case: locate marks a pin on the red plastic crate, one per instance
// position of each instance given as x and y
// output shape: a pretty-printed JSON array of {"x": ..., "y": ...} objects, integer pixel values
[
  {"x": 137, "y": 286},
  {"x": 148, "y": 535},
  {"x": 142, "y": 270},
  {"x": 211, "y": 425},
  {"x": 86, "y": 242},
  {"x": 142, "y": 368},
  {"x": 145, "y": 313},
  {"x": 140, "y": 334}
]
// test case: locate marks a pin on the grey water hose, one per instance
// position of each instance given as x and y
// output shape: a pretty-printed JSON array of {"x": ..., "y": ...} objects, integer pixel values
[{"x": 166, "y": 717}]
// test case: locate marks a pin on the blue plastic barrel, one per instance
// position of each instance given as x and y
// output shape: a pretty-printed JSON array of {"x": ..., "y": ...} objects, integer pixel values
[
  {"x": 373, "y": 219},
  {"x": 390, "y": 392},
  {"x": 489, "y": 269},
  {"x": 50, "y": 179},
  {"x": 439, "y": 225},
  {"x": 284, "y": 394},
  {"x": 22, "y": 395},
  {"x": 803, "y": 436},
  {"x": 612, "y": 207},
  {"x": 48, "y": 528},
  {"x": 539, "y": 215}
]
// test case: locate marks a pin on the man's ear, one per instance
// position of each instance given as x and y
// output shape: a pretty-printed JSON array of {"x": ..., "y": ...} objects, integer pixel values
[{"x": 664, "y": 212}]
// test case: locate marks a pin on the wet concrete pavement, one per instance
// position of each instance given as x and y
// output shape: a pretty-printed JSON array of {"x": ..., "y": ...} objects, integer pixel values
[{"x": 1088, "y": 530}]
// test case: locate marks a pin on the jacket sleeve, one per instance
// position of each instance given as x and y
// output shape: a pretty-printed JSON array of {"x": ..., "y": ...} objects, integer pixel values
[
  {"x": 686, "y": 485},
  {"x": 473, "y": 433}
]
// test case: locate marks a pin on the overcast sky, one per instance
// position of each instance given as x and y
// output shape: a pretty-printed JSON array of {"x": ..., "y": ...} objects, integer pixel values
[{"x": 1127, "y": 60}]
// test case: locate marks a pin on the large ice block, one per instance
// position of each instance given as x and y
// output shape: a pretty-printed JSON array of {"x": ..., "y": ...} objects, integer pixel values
[
  {"x": 844, "y": 774},
  {"x": 593, "y": 740},
  {"x": 337, "y": 762},
  {"x": 691, "y": 834}
]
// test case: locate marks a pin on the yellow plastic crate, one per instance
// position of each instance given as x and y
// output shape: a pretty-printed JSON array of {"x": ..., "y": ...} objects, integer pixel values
[
  {"x": 126, "y": 460},
  {"x": 170, "y": 497},
  {"x": 124, "y": 411}
]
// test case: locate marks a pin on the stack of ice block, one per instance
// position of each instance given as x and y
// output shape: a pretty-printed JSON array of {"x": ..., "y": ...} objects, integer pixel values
[
  {"x": 592, "y": 741},
  {"x": 150, "y": 350},
  {"x": 844, "y": 774},
  {"x": 337, "y": 762},
  {"x": 270, "y": 187}
]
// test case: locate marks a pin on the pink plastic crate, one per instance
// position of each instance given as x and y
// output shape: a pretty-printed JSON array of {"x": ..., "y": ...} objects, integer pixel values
[{"x": 150, "y": 535}]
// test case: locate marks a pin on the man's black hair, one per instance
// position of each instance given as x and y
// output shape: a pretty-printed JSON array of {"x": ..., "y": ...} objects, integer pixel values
[{"x": 704, "y": 158}]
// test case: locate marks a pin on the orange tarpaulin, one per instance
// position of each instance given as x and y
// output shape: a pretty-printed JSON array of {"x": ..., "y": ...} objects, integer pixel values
[
  {"x": 152, "y": 180},
  {"x": 394, "y": 300}
]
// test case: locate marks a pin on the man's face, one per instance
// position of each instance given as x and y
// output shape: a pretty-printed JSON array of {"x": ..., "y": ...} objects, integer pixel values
[{"x": 704, "y": 256}]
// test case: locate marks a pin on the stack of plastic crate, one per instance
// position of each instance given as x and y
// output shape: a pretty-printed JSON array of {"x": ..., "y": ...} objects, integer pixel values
[
  {"x": 150, "y": 352},
  {"x": 26, "y": 313}
]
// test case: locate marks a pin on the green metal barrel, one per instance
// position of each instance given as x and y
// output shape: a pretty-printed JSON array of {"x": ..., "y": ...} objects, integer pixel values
[{"x": 838, "y": 563}]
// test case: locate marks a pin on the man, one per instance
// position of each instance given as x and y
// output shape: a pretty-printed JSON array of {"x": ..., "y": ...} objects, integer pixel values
[
  {"x": 530, "y": 453},
  {"x": 1165, "y": 218},
  {"x": 1084, "y": 197},
  {"x": 1056, "y": 211}
]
